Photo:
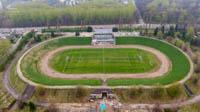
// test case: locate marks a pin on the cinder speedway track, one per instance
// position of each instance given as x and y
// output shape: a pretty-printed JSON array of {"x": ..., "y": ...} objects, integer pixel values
[
  {"x": 20, "y": 74},
  {"x": 163, "y": 68}
]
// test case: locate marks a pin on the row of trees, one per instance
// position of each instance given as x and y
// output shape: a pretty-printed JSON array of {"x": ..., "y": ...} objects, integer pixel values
[
  {"x": 5, "y": 46},
  {"x": 184, "y": 34},
  {"x": 170, "y": 11},
  {"x": 87, "y": 13}
]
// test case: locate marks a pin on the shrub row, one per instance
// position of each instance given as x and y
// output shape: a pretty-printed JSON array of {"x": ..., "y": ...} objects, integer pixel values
[{"x": 84, "y": 29}]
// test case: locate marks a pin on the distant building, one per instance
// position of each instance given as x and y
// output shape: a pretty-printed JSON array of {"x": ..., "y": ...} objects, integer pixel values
[{"x": 72, "y": 2}]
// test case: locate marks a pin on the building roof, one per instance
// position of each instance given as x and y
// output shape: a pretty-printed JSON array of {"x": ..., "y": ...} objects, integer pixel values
[
  {"x": 99, "y": 91},
  {"x": 103, "y": 35},
  {"x": 103, "y": 30}
]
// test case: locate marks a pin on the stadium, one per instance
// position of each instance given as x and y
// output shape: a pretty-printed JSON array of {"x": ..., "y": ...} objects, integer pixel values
[{"x": 68, "y": 62}]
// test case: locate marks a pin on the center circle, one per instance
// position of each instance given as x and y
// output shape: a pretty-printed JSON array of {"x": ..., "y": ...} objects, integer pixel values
[{"x": 104, "y": 60}]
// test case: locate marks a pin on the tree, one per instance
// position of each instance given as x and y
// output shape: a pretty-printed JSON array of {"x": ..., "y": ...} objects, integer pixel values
[
  {"x": 160, "y": 35},
  {"x": 81, "y": 92},
  {"x": 89, "y": 29},
  {"x": 176, "y": 28},
  {"x": 174, "y": 91},
  {"x": 32, "y": 107},
  {"x": 115, "y": 29},
  {"x": 40, "y": 91},
  {"x": 155, "y": 32},
  {"x": 77, "y": 34},
  {"x": 189, "y": 32},
  {"x": 171, "y": 31},
  {"x": 52, "y": 34},
  {"x": 5, "y": 45},
  {"x": 157, "y": 93},
  {"x": 163, "y": 29},
  {"x": 37, "y": 39},
  {"x": 178, "y": 35},
  {"x": 133, "y": 93},
  {"x": 197, "y": 70}
]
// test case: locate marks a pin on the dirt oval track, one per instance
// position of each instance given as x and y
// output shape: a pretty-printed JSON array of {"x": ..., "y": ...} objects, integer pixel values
[{"x": 164, "y": 67}]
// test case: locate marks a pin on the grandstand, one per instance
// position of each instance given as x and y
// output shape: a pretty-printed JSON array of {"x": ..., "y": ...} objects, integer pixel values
[{"x": 103, "y": 39}]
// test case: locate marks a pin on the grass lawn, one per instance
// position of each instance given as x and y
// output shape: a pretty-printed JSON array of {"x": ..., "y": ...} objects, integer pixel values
[
  {"x": 29, "y": 65},
  {"x": 103, "y": 60},
  {"x": 15, "y": 81},
  {"x": 1, "y": 76},
  {"x": 180, "y": 63}
]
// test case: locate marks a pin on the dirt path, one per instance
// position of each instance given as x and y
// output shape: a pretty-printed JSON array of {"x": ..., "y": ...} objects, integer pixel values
[{"x": 163, "y": 68}]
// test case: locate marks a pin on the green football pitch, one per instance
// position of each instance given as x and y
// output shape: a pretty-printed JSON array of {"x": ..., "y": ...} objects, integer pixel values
[{"x": 103, "y": 60}]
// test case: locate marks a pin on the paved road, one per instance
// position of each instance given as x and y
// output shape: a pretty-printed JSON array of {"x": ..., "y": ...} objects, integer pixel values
[
  {"x": 141, "y": 21},
  {"x": 6, "y": 73},
  {"x": 6, "y": 82},
  {"x": 133, "y": 106},
  {"x": 28, "y": 92},
  {"x": 171, "y": 105},
  {"x": 39, "y": 29}
]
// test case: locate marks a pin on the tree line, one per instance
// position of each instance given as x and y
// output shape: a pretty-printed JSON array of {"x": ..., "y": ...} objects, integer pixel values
[
  {"x": 92, "y": 12},
  {"x": 185, "y": 12}
]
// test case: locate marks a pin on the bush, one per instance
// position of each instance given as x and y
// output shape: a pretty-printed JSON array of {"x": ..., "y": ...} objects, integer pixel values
[
  {"x": 25, "y": 40},
  {"x": 81, "y": 92},
  {"x": 174, "y": 91},
  {"x": 157, "y": 93},
  {"x": 32, "y": 107},
  {"x": 196, "y": 58},
  {"x": 22, "y": 105},
  {"x": 65, "y": 30},
  {"x": 115, "y": 29},
  {"x": 52, "y": 34},
  {"x": 77, "y": 34},
  {"x": 40, "y": 91},
  {"x": 54, "y": 92},
  {"x": 197, "y": 69},
  {"x": 133, "y": 93},
  {"x": 160, "y": 35},
  {"x": 179, "y": 43},
  {"x": 89, "y": 29},
  {"x": 167, "y": 110}
]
